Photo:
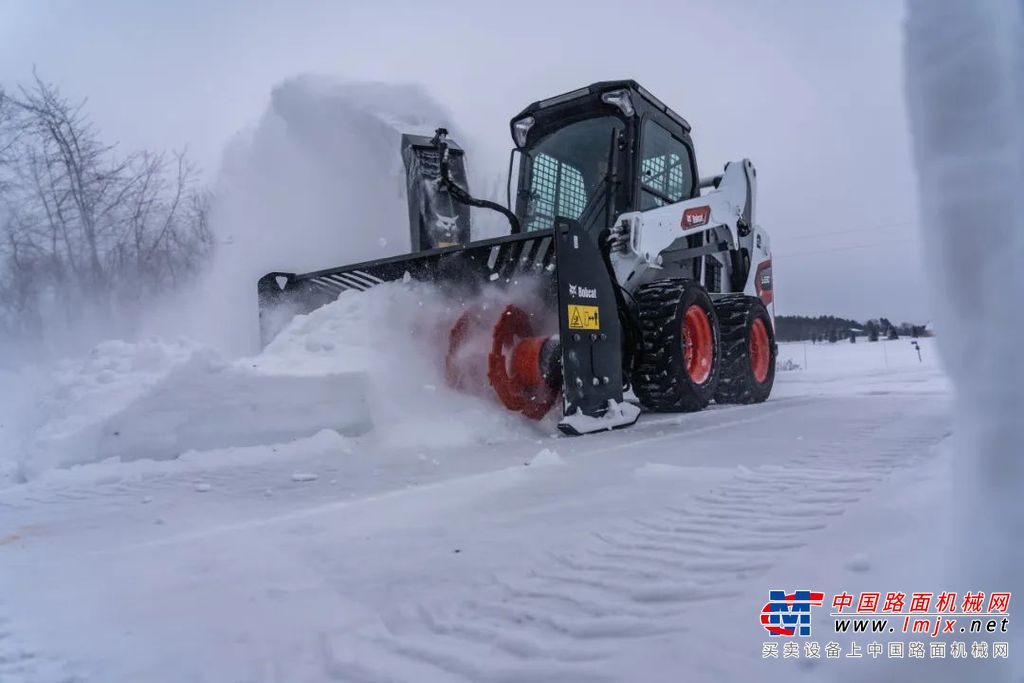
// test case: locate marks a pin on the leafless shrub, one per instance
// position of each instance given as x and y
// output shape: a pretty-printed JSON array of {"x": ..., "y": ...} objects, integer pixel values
[{"x": 84, "y": 231}]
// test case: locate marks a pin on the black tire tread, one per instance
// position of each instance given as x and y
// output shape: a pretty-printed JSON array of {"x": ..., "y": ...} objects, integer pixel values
[
  {"x": 657, "y": 378},
  {"x": 736, "y": 383}
]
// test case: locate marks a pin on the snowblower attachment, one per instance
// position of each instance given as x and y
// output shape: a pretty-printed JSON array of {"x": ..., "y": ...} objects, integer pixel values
[
  {"x": 436, "y": 219},
  {"x": 583, "y": 361}
]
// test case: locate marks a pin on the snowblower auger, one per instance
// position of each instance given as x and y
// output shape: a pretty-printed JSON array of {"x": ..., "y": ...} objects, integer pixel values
[
  {"x": 661, "y": 280},
  {"x": 526, "y": 372}
]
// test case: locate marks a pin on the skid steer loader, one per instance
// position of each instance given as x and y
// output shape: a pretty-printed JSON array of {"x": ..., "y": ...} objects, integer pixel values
[{"x": 644, "y": 275}]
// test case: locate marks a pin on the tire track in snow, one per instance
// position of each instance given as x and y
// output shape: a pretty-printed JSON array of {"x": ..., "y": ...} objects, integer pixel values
[
  {"x": 562, "y": 621},
  {"x": 48, "y": 502},
  {"x": 634, "y": 579}
]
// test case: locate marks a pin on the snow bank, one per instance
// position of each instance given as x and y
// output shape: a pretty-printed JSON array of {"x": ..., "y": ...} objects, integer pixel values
[
  {"x": 396, "y": 335},
  {"x": 369, "y": 363},
  {"x": 861, "y": 368},
  {"x": 63, "y": 407},
  {"x": 155, "y": 400},
  {"x": 325, "y": 442}
]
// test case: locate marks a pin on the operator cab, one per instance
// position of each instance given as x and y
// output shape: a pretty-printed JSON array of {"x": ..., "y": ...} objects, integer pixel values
[{"x": 594, "y": 153}]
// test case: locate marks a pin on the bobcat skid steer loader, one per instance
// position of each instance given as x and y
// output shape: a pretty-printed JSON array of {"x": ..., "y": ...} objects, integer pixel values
[{"x": 646, "y": 276}]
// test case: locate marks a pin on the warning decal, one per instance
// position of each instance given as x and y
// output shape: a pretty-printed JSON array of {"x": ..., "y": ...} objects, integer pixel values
[{"x": 583, "y": 318}]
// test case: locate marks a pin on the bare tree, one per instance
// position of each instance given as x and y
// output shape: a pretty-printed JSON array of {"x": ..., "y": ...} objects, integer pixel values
[
  {"x": 164, "y": 230},
  {"x": 85, "y": 231}
]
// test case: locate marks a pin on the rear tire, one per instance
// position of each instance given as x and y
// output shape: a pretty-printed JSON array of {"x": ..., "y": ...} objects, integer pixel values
[
  {"x": 748, "y": 350},
  {"x": 677, "y": 363}
]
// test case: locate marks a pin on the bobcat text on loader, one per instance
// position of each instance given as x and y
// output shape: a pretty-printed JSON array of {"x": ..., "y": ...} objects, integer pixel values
[{"x": 644, "y": 276}]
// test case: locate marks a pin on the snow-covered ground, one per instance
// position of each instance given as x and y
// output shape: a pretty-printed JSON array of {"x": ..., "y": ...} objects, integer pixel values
[{"x": 488, "y": 550}]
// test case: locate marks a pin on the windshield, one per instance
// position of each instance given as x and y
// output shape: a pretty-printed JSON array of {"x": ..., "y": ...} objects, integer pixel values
[{"x": 564, "y": 170}]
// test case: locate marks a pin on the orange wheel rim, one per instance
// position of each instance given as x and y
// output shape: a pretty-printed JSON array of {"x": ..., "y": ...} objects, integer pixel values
[
  {"x": 698, "y": 344},
  {"x": 760, "y": 355}
]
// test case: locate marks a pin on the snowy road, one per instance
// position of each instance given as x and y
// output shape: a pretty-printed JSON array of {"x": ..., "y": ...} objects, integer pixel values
[{"x": 632, "y": 555}]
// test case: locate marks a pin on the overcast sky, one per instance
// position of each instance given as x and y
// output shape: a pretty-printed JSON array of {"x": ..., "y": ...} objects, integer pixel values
[{"x": 811, "y": 91}]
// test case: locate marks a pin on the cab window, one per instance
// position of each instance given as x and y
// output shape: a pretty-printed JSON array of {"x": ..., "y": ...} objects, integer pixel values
[
  {"x": 557, "y": 190},
  {"x": 565, "y": 171},
  {"x": 666, "y": 176}
]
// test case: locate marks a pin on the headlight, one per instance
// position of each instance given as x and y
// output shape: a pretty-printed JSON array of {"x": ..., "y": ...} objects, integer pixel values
[
  {"x": 520, "y": 129},
  {"x": 621, "y": 99}
]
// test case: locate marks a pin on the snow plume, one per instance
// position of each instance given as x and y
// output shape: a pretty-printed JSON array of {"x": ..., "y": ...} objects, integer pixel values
[
  {"x": 396, "y": 335},
  {"x": 318, "y": 183},
  {"x": 964, "y": 63}
]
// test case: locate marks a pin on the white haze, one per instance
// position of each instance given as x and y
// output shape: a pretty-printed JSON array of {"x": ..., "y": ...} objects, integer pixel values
[
  {"x": 811, "y": 91},
  {"x": 966, "y": 95},
  {"x": 319, "y": 182}
]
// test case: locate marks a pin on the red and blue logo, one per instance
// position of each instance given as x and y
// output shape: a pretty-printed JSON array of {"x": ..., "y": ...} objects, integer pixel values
[{"x": 789, "y": 614}]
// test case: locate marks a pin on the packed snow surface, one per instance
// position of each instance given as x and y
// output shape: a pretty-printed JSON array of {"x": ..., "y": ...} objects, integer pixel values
[{"x": 453, "y": 541}]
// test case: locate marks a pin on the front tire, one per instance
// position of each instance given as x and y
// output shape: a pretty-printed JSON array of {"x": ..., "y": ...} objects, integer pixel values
[
  {"x": 678, "y": 360},
  {"x": 748, "y": 350}
]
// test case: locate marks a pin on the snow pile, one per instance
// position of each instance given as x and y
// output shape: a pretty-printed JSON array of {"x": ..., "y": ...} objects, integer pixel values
[
  {"x": 547, "y": 457},
  {"x": 113, "y": 374},
  {"x": 396, "y": 335},
  {"x": 369, "y": 363},
  {"x": 156, "y": 400},
  {"x": 83, "y": 393}
]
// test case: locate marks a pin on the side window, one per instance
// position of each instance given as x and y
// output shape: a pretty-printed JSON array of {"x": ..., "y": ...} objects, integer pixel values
[
  {"x": 556, "y": 189},
  {"x": 665, "y": 173}
]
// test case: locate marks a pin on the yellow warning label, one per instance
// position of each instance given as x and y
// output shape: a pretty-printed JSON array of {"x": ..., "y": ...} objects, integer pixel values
[{"x": 583, "y": 318}]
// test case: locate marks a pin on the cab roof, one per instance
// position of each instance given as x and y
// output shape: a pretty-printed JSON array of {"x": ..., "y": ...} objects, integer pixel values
[{"x": 595, "y": 90}]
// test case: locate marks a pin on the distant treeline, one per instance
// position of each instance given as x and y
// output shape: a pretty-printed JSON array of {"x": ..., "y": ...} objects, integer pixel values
[{"x": 828, "y": 328}]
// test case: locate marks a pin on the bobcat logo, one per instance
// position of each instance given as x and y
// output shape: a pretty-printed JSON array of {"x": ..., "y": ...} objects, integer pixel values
[
  {"x": 447, "y": 226},
  {"x": 582, "y": 292},
  {"x": 696, "y": 217}
]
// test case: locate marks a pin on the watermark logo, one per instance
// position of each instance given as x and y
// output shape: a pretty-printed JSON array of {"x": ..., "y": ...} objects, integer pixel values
[
  {"x": 958, "y": 625},
  {"x": 790, "y": 614}
]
